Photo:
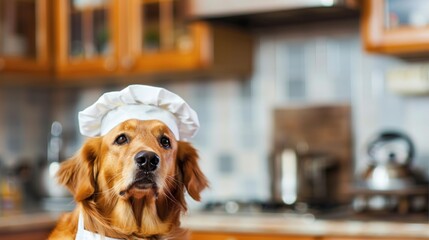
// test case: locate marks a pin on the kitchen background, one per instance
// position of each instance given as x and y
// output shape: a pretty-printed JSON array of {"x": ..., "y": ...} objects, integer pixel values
[
  {"x": 317, "y": 64},
  {"x": 295, "y": 65}
]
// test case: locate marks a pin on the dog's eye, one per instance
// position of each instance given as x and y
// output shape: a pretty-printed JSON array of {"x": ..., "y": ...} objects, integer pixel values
[
  {"x": 165, "y": 142},
  {"x": 121, "y": 139}
]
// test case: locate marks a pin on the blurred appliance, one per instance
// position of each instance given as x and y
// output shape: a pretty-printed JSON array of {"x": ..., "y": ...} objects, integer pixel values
[
  {"x": 304, "y": 177},
  {"x": 54, "y": 196},
  {"x": 268, "y": 12},
  {"x": 390, "y": 155},
  {"x": 411, "y": 79},
  {"x": 388, "y": 182},
  {"x": 311, "y": 155}
]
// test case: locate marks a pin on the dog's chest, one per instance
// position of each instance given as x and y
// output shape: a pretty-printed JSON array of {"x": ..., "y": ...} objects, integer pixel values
[
  {"x": 151, "y": 224},
  {"x": 147, "y": 224},
  {"x": 82, "y": 233}
]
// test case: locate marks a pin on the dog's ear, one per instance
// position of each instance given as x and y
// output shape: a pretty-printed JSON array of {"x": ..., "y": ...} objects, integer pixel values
[
  {"x": 77, "y": 173},
  {"x": 194, "y": 179}
]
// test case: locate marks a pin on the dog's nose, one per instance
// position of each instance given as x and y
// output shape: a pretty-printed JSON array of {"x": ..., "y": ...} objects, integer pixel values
[{"x": 147, "y": 161}]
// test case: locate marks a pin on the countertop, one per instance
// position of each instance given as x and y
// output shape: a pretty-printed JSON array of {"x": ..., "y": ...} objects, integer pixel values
[
  {"x": 253, "y": 223},
  {"x": 293, "y": 225},
  {"x": 28, "y": 221}
]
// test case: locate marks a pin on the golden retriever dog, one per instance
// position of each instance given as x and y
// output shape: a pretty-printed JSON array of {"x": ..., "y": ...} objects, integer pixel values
[{"x": 130, "y": 183}]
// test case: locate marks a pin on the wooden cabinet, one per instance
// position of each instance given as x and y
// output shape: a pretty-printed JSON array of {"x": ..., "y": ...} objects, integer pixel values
[
  {"x": 396, "y": 26},
  {"x": 249, "y": 236},
  {"x": 25, "y": 234},
  {"x": 236, "y": 236},
  {"x": 24, "y": 39},
  {"x": 123, "y": 37},
  {"x": 241, "y": 236},
  {"x": 161, "y": 39},
  {"x": 87, "y": 37},
  {"x": 368, "y": 238}
]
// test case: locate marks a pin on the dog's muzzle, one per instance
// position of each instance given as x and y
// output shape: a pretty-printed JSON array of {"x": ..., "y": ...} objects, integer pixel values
[{"x": 147, "y": 161}]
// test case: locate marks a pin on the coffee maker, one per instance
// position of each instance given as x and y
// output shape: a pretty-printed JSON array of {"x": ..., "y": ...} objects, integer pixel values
[
  {"x": 305, "y": 177},
  {"x": 311, "y": 158}
]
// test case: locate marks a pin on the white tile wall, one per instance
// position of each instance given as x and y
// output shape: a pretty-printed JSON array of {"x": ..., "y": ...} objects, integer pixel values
[{"x": 24, "y": 113}]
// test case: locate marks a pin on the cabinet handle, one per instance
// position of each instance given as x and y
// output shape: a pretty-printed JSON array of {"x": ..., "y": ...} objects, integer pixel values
[
  {"x": 110, "y": 64},
  {"x": 231, "y": 238}
]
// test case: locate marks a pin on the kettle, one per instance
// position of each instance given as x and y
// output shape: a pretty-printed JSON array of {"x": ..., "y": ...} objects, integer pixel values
[{"x": 390, "y": 154}]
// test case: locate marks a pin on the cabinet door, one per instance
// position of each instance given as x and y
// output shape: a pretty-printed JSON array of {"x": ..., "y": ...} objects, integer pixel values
[
  {"x": 236, "y": 236},
  {"x": 396, "y": 26},
  {"x": 24, "y": 234},
  {"x": 87, "y": 37},
  {"x": 24, "y": 36},
  {"x": 161, "y": 40},
  {"x": 366, "y": 238}
]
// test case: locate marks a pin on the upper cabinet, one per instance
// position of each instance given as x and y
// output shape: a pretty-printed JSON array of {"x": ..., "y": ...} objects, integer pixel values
[
  {"x": 24, "y": 42},
  {"x": 161, "y": 39},
  {"x": 87, "y": 37},
  {"x": 396, "y": 26},
  {"x": 96, "y": 38}
]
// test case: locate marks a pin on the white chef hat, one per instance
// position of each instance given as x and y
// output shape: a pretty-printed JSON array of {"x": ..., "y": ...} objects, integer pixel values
[{"x": 143, "y": 103}]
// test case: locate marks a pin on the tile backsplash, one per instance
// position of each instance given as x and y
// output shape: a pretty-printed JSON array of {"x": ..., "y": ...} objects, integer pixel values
[
  {"x": 24, "y": 114},
  {"x": 310, "y": 64}
]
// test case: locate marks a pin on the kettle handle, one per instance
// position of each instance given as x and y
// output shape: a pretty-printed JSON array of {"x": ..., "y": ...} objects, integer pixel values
[{"x": 389, "y": 135}]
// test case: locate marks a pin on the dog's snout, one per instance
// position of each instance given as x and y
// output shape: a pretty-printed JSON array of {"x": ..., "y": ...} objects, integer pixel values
[{"x": 147, "y": 160}]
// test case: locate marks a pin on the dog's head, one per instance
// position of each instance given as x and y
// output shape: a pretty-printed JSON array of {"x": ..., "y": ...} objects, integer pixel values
[{"x": 136, "y": 159}]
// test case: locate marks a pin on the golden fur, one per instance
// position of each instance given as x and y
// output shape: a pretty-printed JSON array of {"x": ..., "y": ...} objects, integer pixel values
[{"x": 101, "y": 173}]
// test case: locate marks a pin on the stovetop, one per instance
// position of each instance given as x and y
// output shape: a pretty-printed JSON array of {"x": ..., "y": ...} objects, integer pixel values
[
  {"x": 232, "y": 207},
  {"x": 303, "y": 210}
]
